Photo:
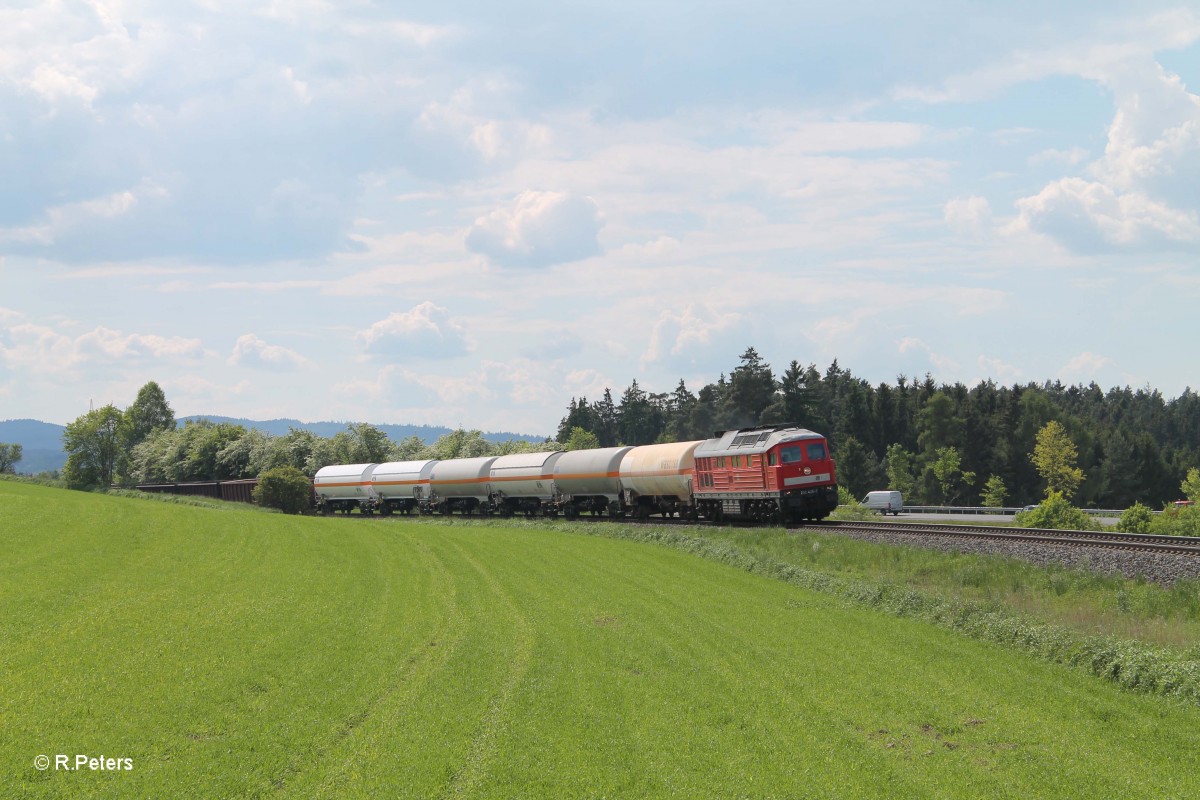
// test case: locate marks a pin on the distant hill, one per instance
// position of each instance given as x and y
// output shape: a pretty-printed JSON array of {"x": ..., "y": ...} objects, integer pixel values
[
  {"x": 41, "y": 442},
  {"x": 427, "y": 433}
]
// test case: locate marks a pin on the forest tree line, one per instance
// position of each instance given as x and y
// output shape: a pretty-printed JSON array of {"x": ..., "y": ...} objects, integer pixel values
[
  {"x": 937, "y": 443},
  {"x": 143, "y": 444}
]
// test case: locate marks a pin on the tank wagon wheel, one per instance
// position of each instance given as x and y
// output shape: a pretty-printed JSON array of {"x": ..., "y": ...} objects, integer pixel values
[{"x": 385, "y": 511}]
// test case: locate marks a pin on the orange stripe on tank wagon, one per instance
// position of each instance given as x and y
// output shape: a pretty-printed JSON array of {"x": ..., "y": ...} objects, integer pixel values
[
  {"x": 508, "y": 479},
  {"x": 577, "y": 476},
  {"x": 653, "y": 473}
]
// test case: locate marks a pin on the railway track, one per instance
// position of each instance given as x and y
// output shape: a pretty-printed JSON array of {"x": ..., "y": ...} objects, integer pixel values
[
  {"x": 1131, "y": 542},
  {"x": 1128, "y": 542}
]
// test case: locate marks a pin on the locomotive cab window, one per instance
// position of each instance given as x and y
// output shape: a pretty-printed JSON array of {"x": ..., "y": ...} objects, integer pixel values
[
  {"x": 771, "y": 460},
  {"x": 816, "y": 451},
  {"x": 789, "y": 455}
]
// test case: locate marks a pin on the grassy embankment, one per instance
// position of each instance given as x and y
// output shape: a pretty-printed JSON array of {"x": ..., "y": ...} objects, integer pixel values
[
  {"x": 235, "y": 653},
  {"x": 1086, "y": 601}
]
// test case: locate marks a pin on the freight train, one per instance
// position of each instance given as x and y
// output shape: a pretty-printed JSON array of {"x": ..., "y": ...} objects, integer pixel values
[{"x": 777, "y": 473}]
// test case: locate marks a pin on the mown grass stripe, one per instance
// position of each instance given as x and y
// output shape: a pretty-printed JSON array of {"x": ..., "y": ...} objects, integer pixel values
[
  {"x": 496, "y": 719},
  {"x": 329, "y": 764}
]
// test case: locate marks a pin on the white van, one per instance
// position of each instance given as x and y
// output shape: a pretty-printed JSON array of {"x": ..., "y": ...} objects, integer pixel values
[{"x": 884, "y": 502}]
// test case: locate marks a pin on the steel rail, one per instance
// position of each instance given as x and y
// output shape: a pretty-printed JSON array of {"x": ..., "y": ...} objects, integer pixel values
[
  {"x": 1131, "y": 542},
  {"x": 1179, "y": 545}
]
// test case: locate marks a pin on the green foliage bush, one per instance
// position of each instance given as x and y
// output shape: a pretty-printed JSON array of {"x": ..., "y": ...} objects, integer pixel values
[
  {"x": 1136, "y": 519},
  {"x": 849, "y": 508},
  {"x": 285, "y": 488},
  {"x": 1055, "y": 513},
  {"x": 1177, "y": 522}
]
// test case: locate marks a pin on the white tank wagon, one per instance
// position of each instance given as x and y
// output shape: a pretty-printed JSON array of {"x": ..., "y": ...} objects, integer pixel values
[
  {"x": 461, "y": 484},
  {"x": 345, "y": 487},
  {"x": 590, "y": 480},
  {"x": 524, "y": 482},
  {"x": 402, "y": 485},
  {"x": 657, "y": 479}
]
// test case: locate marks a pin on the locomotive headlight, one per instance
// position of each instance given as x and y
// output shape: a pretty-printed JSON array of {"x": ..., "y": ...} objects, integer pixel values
[{"x": 808, "y": 470}]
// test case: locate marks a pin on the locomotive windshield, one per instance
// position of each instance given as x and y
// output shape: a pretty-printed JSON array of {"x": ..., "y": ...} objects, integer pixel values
[{"x": 793, "y": 453}]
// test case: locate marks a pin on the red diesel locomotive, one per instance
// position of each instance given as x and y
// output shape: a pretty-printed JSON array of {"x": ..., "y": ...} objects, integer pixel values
[{"x": 772, "y": 473}]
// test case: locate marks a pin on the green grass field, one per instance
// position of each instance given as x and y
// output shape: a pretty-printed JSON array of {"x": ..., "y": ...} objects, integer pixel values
[{"x": 232, "y": 653}]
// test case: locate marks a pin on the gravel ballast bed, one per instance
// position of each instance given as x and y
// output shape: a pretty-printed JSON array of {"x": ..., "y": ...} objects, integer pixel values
[{"x": 1163, "y": 568}]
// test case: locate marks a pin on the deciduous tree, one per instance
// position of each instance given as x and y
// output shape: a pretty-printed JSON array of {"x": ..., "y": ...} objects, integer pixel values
[
  {"x": 10, "y": 454},
  {"x": 1054, "y": 457},
  {"x": 947, "y": 468},
  {"x": 94, "y": 444},
  {"x": 579, "y": 439},
  {"x": 900, "y": 470},
  {"x": 994, "y": 492},
  {"x": 1190, "y": 486}
]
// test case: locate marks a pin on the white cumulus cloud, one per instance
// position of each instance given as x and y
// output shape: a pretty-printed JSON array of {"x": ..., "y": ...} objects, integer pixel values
[
  {"x": 683, "y": 337},
  {"x": 39, "y": 348},
  {"x": 538, "y": 229},
  {"x": 1142, "y": 193},
  {"x": 1089, "y": 216},
  {"x": 425, "y": 331},
  {"x": 251, "y": 351}
]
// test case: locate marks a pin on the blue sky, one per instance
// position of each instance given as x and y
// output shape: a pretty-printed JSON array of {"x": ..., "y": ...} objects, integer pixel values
[{"x": 467, "y": 213}]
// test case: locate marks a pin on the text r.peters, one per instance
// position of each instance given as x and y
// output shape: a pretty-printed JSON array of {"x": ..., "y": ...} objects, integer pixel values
[{"x": 87, "y": 762}]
